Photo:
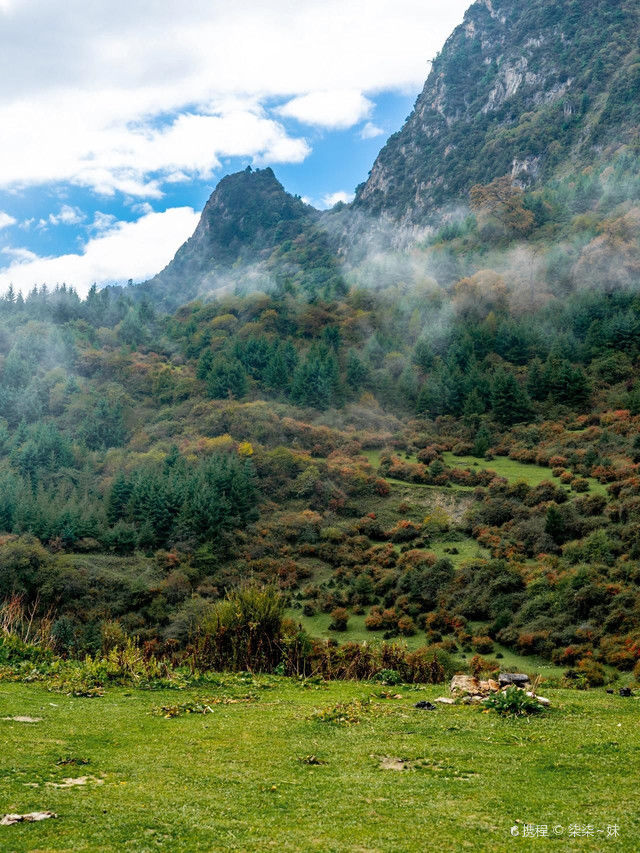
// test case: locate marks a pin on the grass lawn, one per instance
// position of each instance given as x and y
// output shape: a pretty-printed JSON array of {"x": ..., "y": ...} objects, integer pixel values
[
  {"x": 514, "y": 471},
  {"x": 318, "y": 626},
  {"x": 374, "y": 458},
  {"x": 502, "y": 465},
  {"x": 236, "y": 779}
]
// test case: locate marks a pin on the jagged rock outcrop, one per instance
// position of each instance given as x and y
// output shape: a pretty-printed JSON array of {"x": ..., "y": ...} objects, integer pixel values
[{"x": 247, "y": 216}]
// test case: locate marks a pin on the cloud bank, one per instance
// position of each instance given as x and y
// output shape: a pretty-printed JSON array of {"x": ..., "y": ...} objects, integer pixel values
[{"x": 119, "y": 251}]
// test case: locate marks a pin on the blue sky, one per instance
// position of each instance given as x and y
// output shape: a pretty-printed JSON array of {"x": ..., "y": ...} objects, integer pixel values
[{"x": 117, "y": 119}]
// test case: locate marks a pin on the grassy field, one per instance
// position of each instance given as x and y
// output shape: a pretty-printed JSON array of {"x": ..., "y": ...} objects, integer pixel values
[
  {"x": 318, "y": 626},
  {"x": 514, "y": 471},
  {"x": 502, "y": 465},
  {"x": 239, "y": 778}
]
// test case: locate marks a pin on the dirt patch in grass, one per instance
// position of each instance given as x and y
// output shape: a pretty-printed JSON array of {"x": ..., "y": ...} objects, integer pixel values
[
  {"x": 78, "y": 782},
  {"x": 21, "y": 719}
]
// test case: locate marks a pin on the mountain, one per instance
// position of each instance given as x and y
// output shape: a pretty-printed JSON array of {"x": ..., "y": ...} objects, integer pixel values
[
  {"x": 533, "y": 90},
  {"x": 520, "y": 88},
  {"x": 248, "y": 215}
]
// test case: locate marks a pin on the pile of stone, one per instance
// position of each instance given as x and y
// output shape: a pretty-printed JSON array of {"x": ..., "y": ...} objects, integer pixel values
[{"x": 467, "y": 690}]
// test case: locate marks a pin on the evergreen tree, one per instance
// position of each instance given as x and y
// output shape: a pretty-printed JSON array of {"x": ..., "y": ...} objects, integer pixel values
[
  {"x": 408, "y": 387},
  {"x": 423, "y": 356},
  {"x": 104, "y": 426},
  {"x": 510, "y": 404},
  {"x": 282, "y": 363},
  {"x": 482, "y": 442},
  {"x": 554, "y": 523},
  {"x": 357, "y": 373},
  {"x": 119, "y": 496},
  {"x": 567, "y": 384},
  {"x": 473, "y": 408},
  {"x": 537, "y": 387},
  {"x": 316, "y": 381},
  {"x": 204, "y": 365},
  {"x": 226, "y": 378}
]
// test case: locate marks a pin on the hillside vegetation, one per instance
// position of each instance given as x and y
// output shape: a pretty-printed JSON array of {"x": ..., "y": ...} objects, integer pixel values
[
  {"x": 453, "y": 459},
  {"x": 428, "y": 435}
]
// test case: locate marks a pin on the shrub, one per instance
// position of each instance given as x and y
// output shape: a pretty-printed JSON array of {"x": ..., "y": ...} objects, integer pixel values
[
  {"x": 592, "y": 672},
  {"x": 580, "y": 485},
  {"x": 482, "y": 644},
  {"x": 406, "y": 626},
  {"x": 388, "y": 676},
  {"x": 242, "y": 632},
  {"x": 479, "y": 665},
  {"x": 514, "y": 702},
  {"x": 343, "y": 713},
  {"x": 339, "y": 619},
  {"x": 23, "y": 564},
  {"x": 374, "y": 621}
]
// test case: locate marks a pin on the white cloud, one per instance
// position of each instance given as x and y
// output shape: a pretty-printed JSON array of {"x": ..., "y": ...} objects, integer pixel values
[
  {"x": 19, "y": 254},
  {"x": 86, "y": 88},
  {"x": 104, "y": 221},
  {"x": 333, "y": 198},
  {"x": 125, "y": 250},
  {"x": 335, "y": 109},
  {"x": 370, "y": 131},
  {"x": 6, "y": 220},
  {"x": 67, "y": 216},
  {"x": 134, "y": 159}
]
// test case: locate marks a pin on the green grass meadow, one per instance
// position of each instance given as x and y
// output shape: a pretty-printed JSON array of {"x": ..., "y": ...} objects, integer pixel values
[
  {"x": 510, "y": 469},
  {"x": 237, "y": 778}
]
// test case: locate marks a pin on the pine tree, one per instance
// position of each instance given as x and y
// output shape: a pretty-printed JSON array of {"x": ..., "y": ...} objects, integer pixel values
[
  {"x": 204, "y": 364},
  {"x": 536, "y": 384},
  {"x": 226, "y": 378},
  {"x": 357, "y": 373},
  {"x": 119, "y": 495},
  {"x": 282, "y": 363},
  {"x": 473, "y": 408},
  {"x": 482, "y": 442},
  {"x": 510, "y": 404},
  {"x": 554, "y": 523}
]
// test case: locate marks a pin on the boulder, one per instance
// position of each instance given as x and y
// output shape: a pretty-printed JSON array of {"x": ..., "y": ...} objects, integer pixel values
[
  {"x": 425, "y": 706},
  {"x": 445, "y": 700},
  {"x": 464, "y": 685},
  {"x": 519, "y": 679}
]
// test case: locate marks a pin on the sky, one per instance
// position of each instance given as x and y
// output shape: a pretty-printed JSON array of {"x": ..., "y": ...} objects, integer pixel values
[{"x": 117, "y": 119}]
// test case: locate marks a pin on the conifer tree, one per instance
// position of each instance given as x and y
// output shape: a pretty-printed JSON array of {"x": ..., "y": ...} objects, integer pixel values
[{"x": 510, "y": 404}]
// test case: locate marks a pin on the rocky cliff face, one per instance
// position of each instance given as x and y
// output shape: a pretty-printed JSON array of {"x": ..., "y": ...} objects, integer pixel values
[{"x": 520, "y": 88}]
